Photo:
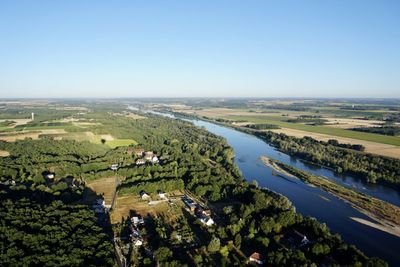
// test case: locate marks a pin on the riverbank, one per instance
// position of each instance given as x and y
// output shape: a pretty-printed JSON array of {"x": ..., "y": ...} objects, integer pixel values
[{"x": 387, "y": 215}]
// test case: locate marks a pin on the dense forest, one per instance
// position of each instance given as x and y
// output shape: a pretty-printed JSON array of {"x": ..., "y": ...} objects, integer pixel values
[
  {"x": 43, "y": 232},
  {"x": 44, "y": 222}
]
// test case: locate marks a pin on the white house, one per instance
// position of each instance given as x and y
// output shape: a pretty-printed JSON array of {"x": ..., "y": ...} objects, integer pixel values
[
  {"x": 136, "y": 220},
  {"x": 49, "y": 175},
  {"x": 207, "y": 221},
  {"x": 114, "y": 167},
  {"x": 161, "y": 195},
  {"x": 155, "y": 159},
  {"x": 137, "y": 243},
  {"x": 144, "y": 195},
  {"x": 140, "y": 162},
  {"x": 100, "y": 201}
]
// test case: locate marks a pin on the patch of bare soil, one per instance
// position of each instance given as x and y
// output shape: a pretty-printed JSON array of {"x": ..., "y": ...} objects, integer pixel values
[{"x": 4, "y": 153}]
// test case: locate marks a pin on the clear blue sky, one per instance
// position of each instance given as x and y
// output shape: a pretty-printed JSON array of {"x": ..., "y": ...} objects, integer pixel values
[{"x": 84, "y": 48}]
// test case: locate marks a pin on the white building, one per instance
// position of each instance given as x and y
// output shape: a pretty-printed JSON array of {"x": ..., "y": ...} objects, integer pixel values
[
  {"x": 155, "y": 159},
  {"x": 207, "y": 221},
  {"x": 161, "y": 195},
  {"x": 114, "y": 167},
  {"x": 144, "y": 195}
]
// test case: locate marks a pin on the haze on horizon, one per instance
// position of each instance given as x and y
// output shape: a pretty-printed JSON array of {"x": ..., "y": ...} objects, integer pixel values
[{"x": 200, "y": 49}]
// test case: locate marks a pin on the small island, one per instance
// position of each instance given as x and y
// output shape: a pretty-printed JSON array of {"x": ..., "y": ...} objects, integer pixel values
[{"x": 385, "y": 213}]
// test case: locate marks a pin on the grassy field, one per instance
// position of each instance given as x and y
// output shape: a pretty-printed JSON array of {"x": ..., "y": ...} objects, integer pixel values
[
  {"x": 384, "y": 139},
  {"x": 120, "y": 142},
  {"x": 128, "y": 203}
]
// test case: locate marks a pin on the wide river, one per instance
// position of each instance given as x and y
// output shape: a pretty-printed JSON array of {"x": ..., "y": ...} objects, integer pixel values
[{"x": 309, "y": 200}]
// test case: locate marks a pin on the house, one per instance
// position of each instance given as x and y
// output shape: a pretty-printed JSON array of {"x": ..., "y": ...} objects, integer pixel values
[
  {"x": 134, "y": 231},
  {"x": 114, "y": 167},
  {"x": 161, "y": 195},
  {"x": 155, "y": 159},
  {"x": 100, "y": 202},
  {"x": 207, "y": 220},
  {"x": 148, "y": 155},
  {"x": 296, "y": 239},
  {"x": 49, "y": 175},
  {"x": 138, "y": 152},
  {"x": 136, "y": 220},
  {"x": 137, "y": 242},
  {"x": 71, "y": 181},
  {"x": 140, "y": 162},
  {"x": 144, "y": 195},
  {"x": 9, "y": 182},
  {"x": 189, "y": 203},
  {"x": 257, "y": 258},
  {"x": 207, "y": 212},
  {"x": 198, "y": 211},
  {"x": 99, "y": 206}
]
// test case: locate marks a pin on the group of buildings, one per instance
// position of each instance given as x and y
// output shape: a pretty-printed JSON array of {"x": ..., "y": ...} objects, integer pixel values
[
  {"x": 145, "y": 196},
  {"x": 202, "y": 213},
  {"x": 144, "y": 156},
  {"x": 135, "y": 235}
]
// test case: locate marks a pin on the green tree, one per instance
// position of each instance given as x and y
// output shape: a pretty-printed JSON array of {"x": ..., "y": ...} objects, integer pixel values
[{"x": 214, "y": 245}]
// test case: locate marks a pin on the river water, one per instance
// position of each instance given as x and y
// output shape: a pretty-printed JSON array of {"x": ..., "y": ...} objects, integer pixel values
[{"x": 309, "y": 200}]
